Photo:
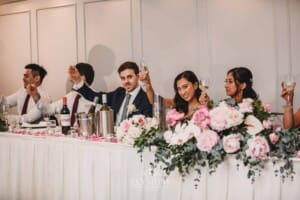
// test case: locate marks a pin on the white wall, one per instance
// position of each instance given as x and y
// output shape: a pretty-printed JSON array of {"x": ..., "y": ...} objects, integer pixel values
[{"x": 206, "y": 36}]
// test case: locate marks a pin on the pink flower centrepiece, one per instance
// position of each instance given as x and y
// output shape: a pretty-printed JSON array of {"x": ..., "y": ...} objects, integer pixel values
[
  {"x": 267, "y": 124},
  {"x": 224, "y": 116},
  {"x": 266, "y": 106},
  {"x": 201, "y": 117},
  {"x": 139, "y": 119},
  {"x": 273, "y": 138},
  {"x": 125, "y": 125},
  {"x": 231, "y": 143},
  {"x": 173, "y": 117},
  {"x": 298, "y": 154},
  {"x": 258, "y": 148},
  {"x": 207, "y": 140}
]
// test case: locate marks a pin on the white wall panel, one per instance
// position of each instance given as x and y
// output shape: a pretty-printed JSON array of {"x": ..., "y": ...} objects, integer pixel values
[
  {"x": 242, "y": 34},
  {"x": 295, "y": 45},
  {"x": 15, "y": 50},
  {"x": 108, "y": 40},
  {"x": 206, "y": 36},
  {"x": 57, "y": 46},
  {"x": 170, "y": 41}
]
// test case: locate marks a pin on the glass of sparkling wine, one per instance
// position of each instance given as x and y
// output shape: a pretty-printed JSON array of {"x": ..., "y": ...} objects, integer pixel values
[
  {"x": 143, "y": 67},
  {"x": 289, "y": 85},
  {"x": 204, "y": 84}
]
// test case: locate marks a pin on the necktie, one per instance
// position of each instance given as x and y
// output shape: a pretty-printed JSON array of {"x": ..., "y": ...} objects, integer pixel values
[
  {"x": 124, "y": 112},
  {"x": 74, "y": 108},
  {"x": 25, "y": 105}
]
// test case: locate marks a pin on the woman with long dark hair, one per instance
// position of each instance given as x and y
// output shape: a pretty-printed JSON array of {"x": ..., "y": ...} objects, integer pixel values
[
  {"x": 187, "y": 93},
  {"x": 238, "y": 84}
]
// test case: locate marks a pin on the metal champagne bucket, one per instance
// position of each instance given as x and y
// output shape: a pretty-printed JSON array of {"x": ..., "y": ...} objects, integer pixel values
[
  {"x": 85, "y": 124},
  {"x": 159, "y": 111},
  {"x": 105, "y": 123}
]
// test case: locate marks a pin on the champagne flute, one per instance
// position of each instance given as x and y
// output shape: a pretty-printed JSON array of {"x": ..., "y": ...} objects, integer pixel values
[
  {"x": 289, "y": 85},
  {"x": 143, "y": 67},
  {"x": 204, "y": 84}
]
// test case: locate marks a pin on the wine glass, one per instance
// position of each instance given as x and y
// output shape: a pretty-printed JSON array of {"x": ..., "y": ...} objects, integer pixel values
[
  {"x": 143, "y": 67},
  {"x": 289, "y": 85},
  {"x": 204, "y": 84}
]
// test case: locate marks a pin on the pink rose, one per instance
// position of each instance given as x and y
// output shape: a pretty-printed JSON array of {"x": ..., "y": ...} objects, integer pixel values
[
  {"x": 273, "y": 138},
  {"x": 218, "y": 118},
  {"x": 258, "y": 148},
  {"x": 266, "y": 106},
  {"x": 125, "y": 125},
  {"x": 173, "y": 117},
  {"x": 201, "y": 117},
  {"x": 298, "y": 154},
  {"x": 207, "y": 140},
  {"x": 267, "y": 124},
  {"x": 139, "y": 120},
  {"x": 231, "y": 143}
]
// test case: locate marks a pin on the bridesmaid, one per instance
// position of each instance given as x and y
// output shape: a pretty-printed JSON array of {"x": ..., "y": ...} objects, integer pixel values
[
  {"x": 187, "y": 97},
  {"x": 238, "y": 84}
]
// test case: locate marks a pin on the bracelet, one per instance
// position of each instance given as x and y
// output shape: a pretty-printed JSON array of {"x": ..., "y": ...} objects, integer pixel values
[{"x": 289, "y": 106}]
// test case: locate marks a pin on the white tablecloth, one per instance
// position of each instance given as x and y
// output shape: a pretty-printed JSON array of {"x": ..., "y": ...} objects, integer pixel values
[{"x": 65, "y": 168}]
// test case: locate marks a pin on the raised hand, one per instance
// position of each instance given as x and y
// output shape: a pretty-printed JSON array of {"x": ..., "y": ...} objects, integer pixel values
[
  {"x": 74, "y": 75},
  {"x": 287, "y": 94},
  {"x": 144, "y": 77},
  {"x": 204, "y": 98}
]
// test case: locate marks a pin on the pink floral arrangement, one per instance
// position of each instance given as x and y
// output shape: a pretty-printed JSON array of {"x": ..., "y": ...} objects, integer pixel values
[
  {"x": 201, "y": 117},
  {"x": 132, "y": 128},
  {"x": 206, "y": 140},
  {"x": 231, "y": 143},
  {"x": 245, "y": 130},
  {"x": 258, "y": 148},
  {"x": 225, "y": 116},
  {"x": 173, "y": 117}
]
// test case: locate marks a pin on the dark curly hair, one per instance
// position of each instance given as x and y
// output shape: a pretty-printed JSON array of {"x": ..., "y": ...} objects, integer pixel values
[
  {"x": 244, "y": 75},
  {"x": 180, "y": 104}
]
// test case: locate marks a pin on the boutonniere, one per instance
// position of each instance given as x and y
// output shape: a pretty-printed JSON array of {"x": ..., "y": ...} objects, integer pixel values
[{"x": 131, "y": 108}]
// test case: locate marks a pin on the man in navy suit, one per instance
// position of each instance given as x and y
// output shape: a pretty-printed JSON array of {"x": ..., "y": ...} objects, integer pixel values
[{"x": 130, "y": 95}]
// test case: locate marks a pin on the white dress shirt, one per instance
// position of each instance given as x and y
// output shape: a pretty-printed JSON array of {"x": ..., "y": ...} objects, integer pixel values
[
  {"x": 55, "y": 107},
  {"x": 83, "y": 104},
  {"x": 133, "y": 94},
  {"x": 18, "y": 98}
]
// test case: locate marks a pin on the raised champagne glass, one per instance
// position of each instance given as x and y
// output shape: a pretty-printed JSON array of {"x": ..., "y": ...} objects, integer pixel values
[
  {"x": 143, "y": 67},
  {"x": 289, "y": 85},
  {"x": 204, "y": 84}
]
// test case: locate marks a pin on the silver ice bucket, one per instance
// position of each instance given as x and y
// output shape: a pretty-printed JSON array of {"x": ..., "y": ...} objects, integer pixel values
[
  {"x": 85, "y": 124},
  {"x": 105, "y": 123}
]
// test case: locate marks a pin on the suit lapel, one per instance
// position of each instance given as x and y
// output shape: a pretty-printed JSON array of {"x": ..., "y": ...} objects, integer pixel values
[
  {"x": 138, "y": 98},
  {"x": 120, "y": 99}
]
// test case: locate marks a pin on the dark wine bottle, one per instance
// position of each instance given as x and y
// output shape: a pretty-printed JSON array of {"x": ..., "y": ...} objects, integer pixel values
[
  {"x": 93, "y": 106},
  {"x": 65, "y": 117},
  {"x": 104, "y": 106}
]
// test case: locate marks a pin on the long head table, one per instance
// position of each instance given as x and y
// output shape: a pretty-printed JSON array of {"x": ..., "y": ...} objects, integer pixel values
[{"x": 41, "y": 167}]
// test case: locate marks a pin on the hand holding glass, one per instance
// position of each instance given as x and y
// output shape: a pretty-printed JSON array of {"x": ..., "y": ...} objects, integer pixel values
[
  {"x": 204, "y": 85},
  {"x": 289, "y": 85}
]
